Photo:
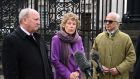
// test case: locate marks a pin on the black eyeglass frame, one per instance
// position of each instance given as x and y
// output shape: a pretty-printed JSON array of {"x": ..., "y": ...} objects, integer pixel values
[{"x": 109, "y": 21}]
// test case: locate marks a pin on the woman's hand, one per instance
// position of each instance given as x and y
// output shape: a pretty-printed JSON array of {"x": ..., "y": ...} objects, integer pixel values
[{"x": 74, "y": 75}]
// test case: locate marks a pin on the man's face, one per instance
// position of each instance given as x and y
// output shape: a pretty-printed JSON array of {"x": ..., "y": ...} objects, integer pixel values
[
  {"x": 110, "y": 23},
  {"x": 33, "y": 21}
]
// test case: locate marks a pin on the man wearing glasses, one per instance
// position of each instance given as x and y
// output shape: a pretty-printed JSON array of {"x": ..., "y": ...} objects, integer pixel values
[{"x": 116, "y": 50}]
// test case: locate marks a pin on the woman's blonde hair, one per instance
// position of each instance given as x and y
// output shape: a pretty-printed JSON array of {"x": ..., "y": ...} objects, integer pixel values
[{"x": 69, "y": 16}]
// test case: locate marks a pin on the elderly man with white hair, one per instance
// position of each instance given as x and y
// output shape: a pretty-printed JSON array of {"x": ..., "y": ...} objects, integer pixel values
[
  {"x": 115, "y": 48},
  {"x": 25, "y": 54}
]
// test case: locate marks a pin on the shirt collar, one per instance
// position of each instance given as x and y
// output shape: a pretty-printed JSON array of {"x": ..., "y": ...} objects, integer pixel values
[
  {"x": 24, "y": 30},
  {"x": 110, "y": 32}
]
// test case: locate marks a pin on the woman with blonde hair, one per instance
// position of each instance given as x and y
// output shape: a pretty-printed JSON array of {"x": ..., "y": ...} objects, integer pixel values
[{"x": 63, "y": 47}]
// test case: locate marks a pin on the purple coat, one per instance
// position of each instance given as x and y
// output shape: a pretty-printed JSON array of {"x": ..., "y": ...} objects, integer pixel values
[{"x": 61, "y": 71}]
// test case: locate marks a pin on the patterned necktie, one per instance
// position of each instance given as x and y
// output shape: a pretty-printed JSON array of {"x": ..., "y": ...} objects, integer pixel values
[{"x": 31, "y": 37}]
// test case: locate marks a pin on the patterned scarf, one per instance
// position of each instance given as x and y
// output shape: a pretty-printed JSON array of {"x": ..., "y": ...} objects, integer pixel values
[{"x": 66, "y": 42}]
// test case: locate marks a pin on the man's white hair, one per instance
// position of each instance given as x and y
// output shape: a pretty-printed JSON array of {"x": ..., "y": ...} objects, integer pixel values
[
  {"x": 24, "y": 13},
  {"x": 117, "y": 16}
]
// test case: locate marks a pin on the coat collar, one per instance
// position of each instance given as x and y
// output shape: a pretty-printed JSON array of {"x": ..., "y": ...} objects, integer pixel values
[
  {"x": 20, "y": 32},
  {"x": 113, "y": 34},
  {"x": 23, "y": 35}
]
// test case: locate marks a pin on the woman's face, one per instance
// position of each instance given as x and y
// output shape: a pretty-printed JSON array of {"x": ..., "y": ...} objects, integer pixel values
[{"x": 70, "y": 26}]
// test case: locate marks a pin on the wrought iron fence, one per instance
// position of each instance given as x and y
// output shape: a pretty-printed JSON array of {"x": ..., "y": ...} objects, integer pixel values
[
  {"x": 51, "y": 12},
  {"x": 91, "y": 14}
]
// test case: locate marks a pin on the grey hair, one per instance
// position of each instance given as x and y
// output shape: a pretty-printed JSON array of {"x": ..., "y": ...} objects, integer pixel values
[
  {"x": 117, "y": 16},
  {"x": 24, "y": 13}
]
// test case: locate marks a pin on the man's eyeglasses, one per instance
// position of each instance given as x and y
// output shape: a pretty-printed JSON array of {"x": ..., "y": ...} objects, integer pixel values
[{"x": 109, "y": 21}]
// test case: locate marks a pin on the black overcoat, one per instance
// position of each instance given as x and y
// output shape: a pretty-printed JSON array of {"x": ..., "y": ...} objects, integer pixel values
[
  {"x": 136, "y": 70},
  {"x": 25, "y": 58}
]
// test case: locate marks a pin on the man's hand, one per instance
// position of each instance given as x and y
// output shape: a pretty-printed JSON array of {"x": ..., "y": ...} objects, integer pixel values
[
  {"x": 114, "y": 71},
  {"x": 106, "y": 70}
]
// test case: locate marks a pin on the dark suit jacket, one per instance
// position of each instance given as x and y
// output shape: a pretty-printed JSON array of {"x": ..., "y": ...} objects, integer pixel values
[
  {"x": 24, "y": 58},
  {"x": 137, "y": 64}
]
